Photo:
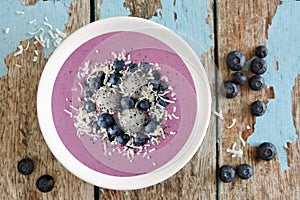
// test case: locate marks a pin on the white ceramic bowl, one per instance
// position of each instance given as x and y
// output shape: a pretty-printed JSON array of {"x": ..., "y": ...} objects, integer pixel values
[{"x": 80, "y": 37}]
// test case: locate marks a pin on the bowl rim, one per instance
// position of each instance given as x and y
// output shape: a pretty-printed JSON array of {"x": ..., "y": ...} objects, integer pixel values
[{"x": 51, "y": 70}]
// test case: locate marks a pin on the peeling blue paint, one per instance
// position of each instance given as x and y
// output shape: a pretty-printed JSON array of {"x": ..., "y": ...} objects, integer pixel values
[
  {"x": 276, "y": 126},
  {"x": 191, "y": 18},
  {"x": 56, "y": 11}
]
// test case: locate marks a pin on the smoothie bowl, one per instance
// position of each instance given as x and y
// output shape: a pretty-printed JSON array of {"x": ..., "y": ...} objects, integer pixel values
[{"x": 123, "y": 107}]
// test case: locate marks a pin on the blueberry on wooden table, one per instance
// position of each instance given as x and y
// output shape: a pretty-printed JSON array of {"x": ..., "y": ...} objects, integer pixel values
[
  {"x": 239, "y": 78},
  {"x": 258, "y": 66},
  {"x": 244, "y": 171},
  {"x": 229, "y": 89},
  {"x": 25, "y": 166},
  {"x": 235, "y": 60},
  {"x": 45, "y": 183},
  {"x": 226, "y": 173},
  {"x": 266, "y": 151},
  {"x": 256, "y": 82},
  {"x": 258, "y": 108},
  {"x": 261, "y": 51}
]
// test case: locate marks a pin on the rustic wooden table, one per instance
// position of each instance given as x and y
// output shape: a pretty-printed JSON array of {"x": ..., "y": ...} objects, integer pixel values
[{"x": 218, "y": 27}]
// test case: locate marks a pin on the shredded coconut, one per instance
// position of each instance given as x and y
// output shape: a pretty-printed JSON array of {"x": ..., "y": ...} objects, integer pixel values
[
  {"x": 219, "y": 114},
  {"x": 232, "y": 124},
  {"x": 20, "y": 12},
  {"x": 6, "y": 30}
]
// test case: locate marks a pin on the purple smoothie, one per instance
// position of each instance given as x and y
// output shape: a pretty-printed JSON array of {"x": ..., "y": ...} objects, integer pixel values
[{"x": 143, "y": 48}]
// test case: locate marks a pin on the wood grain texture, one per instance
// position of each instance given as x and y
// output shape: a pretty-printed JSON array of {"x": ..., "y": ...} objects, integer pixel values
[
  {"x": 197, "y": 180},
  {"x": 244, "y": 28},
  {"x": 19, "y": 131}
]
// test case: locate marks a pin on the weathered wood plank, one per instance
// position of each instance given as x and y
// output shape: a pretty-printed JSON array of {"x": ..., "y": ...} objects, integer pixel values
[
  {"x": 19, "y": 131},
  {"x": 243, "y": 26},
  {"x": 197, "y": 179}
]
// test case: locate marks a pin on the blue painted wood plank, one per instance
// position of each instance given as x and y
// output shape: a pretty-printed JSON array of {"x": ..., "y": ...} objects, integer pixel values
[
  {"x": 276, "y": 126},
  {"x": 18, "y": 24}
]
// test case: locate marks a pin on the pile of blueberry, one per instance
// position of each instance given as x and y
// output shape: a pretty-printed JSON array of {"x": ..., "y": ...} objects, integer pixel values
[
  {"x": 266, "y": 151},
  {"x": 135, "y": 123},
  {"x": 236, "y": 61},
  {"x": 45, "y": 183}
]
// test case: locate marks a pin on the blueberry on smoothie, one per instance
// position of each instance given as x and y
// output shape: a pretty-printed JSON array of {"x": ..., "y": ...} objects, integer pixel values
[
  {"x": 258, "y": 108},
  {"x": 88, "y": 94},
  {"x": 245, "y": 171},
  {"x": 256, "y": 82},
  {"x": 118, "y": 65},
  {"x": 155, "y": 84},
  {"x": 258, "y": 66},
  {"x": 95, "y": 83},
  {"x": 266, "y": 151},
  {"x": 163, "y": 86},
  {"x": 144, "y": 104},
  {"x": 229, "y": 89},
  {"x": 156, "y": 74},
  {"x": 239, "y": 78},
  {"x": 127, "y": 103},
  {"x": 123, "y": 139},
  {"x": 45, "y": 183},
  {"x": 132, "y": 67},
  {"x": 150, "y": 127},
  {"x": 226, "y": 173},
  {"x": 235, "y": 60},
  {"x": 261, "y": 51},
  {"x": 163, "y": 101},
  {"x": 89, "y": 106},
  {"x": 115, "y": 130},
  {"x": 114, "y": 78},
  {"x": 140, "y": 139},
  {"x": 145, "y": 67},
  {"x": 105, "y": 120},
  {"x": 25, "y": 166}
]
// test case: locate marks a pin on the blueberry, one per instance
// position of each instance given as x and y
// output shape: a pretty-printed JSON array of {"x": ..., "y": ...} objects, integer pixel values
[
  {"x": 261, "y": 51},
  {"x": 105, "y": 120},
  {"x": 127, "y": 103},
  {"x": 155, "y": 84},
  {"x": 144, "y": 104},
  {"x": 132, "y": 67},
  {"x": 235, "y": 60},
  {"x": 145, "y": 67},
  {"x": 118, "y": 65},
  {"x": 256, "y": 82},
  {"x": 123, "y": 139},
  {"x": 229, "y": 89},
  {"x": 150, "y": 127},
  {"x": 89, "y": 106},
  {"x": 95, "y": 83},
  {"x": 96, "y": 126},
  {"x": 114, "y": 78},
  {"x": 45, "y": 183},
  {"x": 163, "y": 86},
  {"x": 239, "y": 78},
  {"x": 101, "y": 75},
  {"x": 88, "y": 94},
  {"x": 258, "y": 108},
  {"x": 226, "y": 173},
  {"x": 266, "y": 151},
  {"x": 156, "y": 74},
  {"x": 115, "y": 130},
  {"x": 140, "y": 139},
  {"x": 162, "y": 102},
  {"x": 244, "y": 171},
  {"x": 25, "y": 166},
  {"x": 258, "y": 66}
]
